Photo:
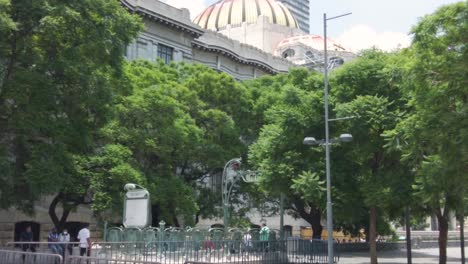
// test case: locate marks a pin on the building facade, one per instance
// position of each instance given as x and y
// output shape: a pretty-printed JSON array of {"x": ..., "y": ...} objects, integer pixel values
[
  {"x": 301, "y": 11},
  {"x": 170, "y": 35},
  {"x": 273, "y": 28}
]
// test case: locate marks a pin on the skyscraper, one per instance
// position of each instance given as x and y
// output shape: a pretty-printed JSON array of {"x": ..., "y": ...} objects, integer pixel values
[{"x": 301, "y": 11}]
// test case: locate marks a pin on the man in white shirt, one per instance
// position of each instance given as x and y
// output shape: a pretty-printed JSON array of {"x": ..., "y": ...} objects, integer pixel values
[{"x": 85, "y": 241}]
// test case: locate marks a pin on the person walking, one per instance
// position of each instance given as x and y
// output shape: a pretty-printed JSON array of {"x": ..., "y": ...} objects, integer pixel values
[
  {"x": 248, "y": 241},
  {"x": 264, "y": 236},
  {"x": 64, "y": 237},
  {"x": 27, "y": 236},
  {"x": 84, "y": 236}
]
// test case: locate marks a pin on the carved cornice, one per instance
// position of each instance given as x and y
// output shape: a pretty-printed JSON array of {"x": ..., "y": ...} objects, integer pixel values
[{"x": 147, "y": 9}]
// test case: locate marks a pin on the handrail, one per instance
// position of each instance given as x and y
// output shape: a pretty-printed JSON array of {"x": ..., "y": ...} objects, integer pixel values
[
  {"x": 70, "y": 259},
  {"x": 39, "y": 243},
  {"x": 17, "y": 252}
]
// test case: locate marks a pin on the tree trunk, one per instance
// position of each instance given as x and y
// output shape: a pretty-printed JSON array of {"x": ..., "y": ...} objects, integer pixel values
[
  {"x": 58, "y": 223},
  {"x": 313, "y": 218},
  {"x": 462, "y": 235},
  {"x": 443, "y": 234},
  {"x": 373, "y": 234},
  {"x": 408, "y": 235},
  {"x": 316, "y": 227},
  {"x": 175, "y": 220}
]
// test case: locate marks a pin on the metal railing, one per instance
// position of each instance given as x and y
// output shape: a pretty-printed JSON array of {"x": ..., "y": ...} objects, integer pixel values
[
  {"x": 222, "y": 251},
  {"x": 95, "y": 260},
  {"x": 182, "y": 252},
  {"x": 19, "y": 256}
]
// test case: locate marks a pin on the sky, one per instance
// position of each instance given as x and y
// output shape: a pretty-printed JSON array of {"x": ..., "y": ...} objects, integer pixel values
[{"x": 382, "y": 23}]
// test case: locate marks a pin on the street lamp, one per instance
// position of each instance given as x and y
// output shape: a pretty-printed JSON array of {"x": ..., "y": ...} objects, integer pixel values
[
  {"x": 310, "y": 141},
  {"x": 327, "y": 142},
  {"x": 227, "y": 184}
]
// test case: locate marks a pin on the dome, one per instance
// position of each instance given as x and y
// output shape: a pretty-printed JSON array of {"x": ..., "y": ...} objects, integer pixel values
[
  {"x": 312, "y": 41},
  {"x": 235, "y": 12}
]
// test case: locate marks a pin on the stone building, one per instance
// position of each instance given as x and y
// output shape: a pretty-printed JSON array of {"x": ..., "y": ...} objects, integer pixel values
[
  {"x": 169, "y": 34},
  {"x": 271, "y": 27}
]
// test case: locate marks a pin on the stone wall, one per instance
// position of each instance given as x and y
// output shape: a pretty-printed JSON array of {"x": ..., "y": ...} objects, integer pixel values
[{"x": 8, "y": 219}]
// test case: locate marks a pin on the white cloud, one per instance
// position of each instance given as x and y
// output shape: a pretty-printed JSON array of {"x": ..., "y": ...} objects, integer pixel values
[
  {"x": 363, "y": 36},
  {"x": 195, "y": 6}
]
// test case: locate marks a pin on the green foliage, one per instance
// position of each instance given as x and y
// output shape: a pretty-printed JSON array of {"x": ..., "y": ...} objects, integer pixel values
[
  {"x": 181, "y": 124},
  {"x": 279, "y": 153},
  {"x": 309, "y": 186},
  {"x": 59, "y": 65},
  {"x": 376, "y": 102},
  {"x": 433, "y": 137}
]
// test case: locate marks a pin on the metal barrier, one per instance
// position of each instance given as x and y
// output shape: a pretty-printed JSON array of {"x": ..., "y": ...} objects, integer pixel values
[
  {"x": 19, "y": 256},
  {"x": 191, "y": 251},
  {"x": 95, "y": 260},
  {"x": 59, "y": 248},
  {"x": 221, "y": 251}
]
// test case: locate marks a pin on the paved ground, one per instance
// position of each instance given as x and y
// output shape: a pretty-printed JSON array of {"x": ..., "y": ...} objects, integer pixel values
[{"x": 420, "y": 256}]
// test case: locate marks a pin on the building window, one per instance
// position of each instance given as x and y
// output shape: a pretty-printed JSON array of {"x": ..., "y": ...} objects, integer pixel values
[
  {"x": 165, "y": 53},
  {"x": 336, "y": 61},
  {"x": 289, "y": 53},
  {"x": 142, "y": 50}
]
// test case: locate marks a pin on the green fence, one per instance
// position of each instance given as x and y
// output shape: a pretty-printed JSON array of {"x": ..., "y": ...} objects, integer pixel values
[{"x": 215, "y": 251}]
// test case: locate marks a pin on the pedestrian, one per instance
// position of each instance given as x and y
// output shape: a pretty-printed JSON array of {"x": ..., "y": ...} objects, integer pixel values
[
  {"x": 27, "y": 236},
  {"x": 264, "y": 236},
  {"x": 248, "y": 241},
  {"x": 65, "y": 239},
  {"x": 53, "y": 238},
  {"x": 84, "y": 236}
]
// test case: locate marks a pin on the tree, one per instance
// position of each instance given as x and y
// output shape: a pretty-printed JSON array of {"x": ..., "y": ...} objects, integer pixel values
[
  {"x": 290, "y": 107},
  {"x": 369, "y": 89},
  {"x": 434, "y": 136},
  {"x": 286, "y": 108},
  {"x": 178, "y": 121},
  {"x": 59, "y": 65}
]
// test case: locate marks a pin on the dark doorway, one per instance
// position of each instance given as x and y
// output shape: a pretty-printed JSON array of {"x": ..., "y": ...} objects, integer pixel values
[
  {"x": 73, "y": 229},
  {"x": 287, "y": 229},
  {"x": 155, "y": 215},
  {"x": 217, "y": 226},
  {"x": 21, "y": 227}
]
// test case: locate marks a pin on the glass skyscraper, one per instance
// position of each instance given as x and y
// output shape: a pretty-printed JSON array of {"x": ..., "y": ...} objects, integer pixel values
[{"x": 301, "y": 11}]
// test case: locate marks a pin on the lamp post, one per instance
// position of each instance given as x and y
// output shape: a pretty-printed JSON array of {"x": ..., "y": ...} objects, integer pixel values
[
  {"x": 227, "y": 184},
  {"x": 327, "y": 140}
]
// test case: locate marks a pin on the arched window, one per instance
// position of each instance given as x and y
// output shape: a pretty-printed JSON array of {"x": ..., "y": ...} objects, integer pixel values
[
  {"x": 288, "y": 53},
  {"x": 310, "y": 55},
  {"x": 336, "y": 61}
]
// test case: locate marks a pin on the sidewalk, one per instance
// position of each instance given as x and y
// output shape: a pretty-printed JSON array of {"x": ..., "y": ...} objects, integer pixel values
[{"x": 420, "y": 256}]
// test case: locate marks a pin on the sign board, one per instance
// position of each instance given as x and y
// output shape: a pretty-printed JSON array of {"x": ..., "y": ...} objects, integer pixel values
[{"x": 137, "y": 209}]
